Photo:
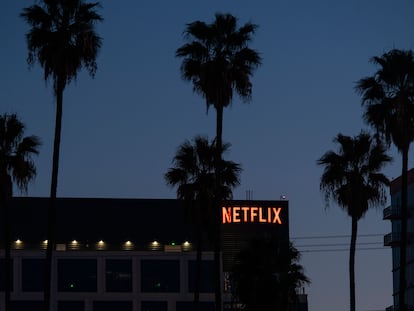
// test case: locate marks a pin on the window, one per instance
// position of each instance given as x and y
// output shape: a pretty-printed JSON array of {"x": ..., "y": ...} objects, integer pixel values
[
  {"x": 71, "y": 306},
  {"x": 33, "y": 275},
  {"x": 77, "y": 275},
  {"x": 3, "y": 277},
  {"x": 27, "y": 305},
  {"x": 112, "y": 305},
  {"x": 160, "y": 276},
  {"x": 206, "y": 277},
  {"x": 118, "y": 275},
  {"x": 189, "y": 306},
  {"x": 154, "y": 306}
]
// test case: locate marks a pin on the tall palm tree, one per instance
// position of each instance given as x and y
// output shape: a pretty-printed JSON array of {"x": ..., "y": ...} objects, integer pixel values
[
  {"x": 352, "y": 178},
  {"x": 265, "y": 279},
  {"x": 63, "y": 40},
  {"x": 194, "y": 176},
  {"x": 16, "y": 165},
  {"x": 388, "y": 97},
  {"x": 218, "y": 61}
]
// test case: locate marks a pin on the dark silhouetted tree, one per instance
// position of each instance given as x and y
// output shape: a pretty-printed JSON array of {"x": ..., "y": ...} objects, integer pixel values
[
  {"x": 388, "y": 97},
  {"x": 218, "y": 61},
  {"x": 16, "y": 166},
  {"x": 266, "y": 278},
  {"x": 62, "y": 39},
  {"x": 193, "y": 174},
  {"x": 352, "y": 178}
]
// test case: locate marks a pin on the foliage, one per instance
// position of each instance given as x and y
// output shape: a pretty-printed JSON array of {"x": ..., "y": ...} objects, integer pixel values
[
  {"x": 388, "y": 98},
  {"x": 217, "y": 59},
  {"x": 16, "y": 165},
  {"x": 16, "y": 152},
  {"x": 352, "y": 178},
  {"x": 267, "y": 277},
  {"x": 62, "y": 38},
  {"x": 193, "y": 173}
]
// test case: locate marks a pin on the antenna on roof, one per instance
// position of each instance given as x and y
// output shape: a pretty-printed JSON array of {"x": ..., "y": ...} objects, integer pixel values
[{"x": 249, "y": 194}]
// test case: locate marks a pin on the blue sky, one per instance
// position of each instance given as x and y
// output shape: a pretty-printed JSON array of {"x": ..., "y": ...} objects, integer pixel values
[{"x": 121, "y": 129}]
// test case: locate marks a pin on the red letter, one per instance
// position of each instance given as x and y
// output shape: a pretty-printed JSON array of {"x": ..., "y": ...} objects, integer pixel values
[
  {"x": 236, "y": 214},
  {"x": 245, "y": 210},
  {"x": 253, "y": 213},
  {"x": 261, "y": 219},
  {"x": 277, "y": 217},
  {"x": 226, "y": 215}
]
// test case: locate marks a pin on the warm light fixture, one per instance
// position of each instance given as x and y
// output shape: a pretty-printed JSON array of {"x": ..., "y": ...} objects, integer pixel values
[{"x": 101, "y": 242}]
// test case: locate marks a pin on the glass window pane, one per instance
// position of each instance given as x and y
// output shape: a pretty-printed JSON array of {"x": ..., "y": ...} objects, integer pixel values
[
  {"x": 206, "y": 276},
  {"x": 27, "y": 305},
  {"x": 112, "y": 306},
  {"x": 71, "y": 306},
  {"x": 33, "y": 275},
  {"x": 154, "y": 306},
  {"x": 2, "y": 276},
  {"x": 189, "y": 306},
  {"x": 77, "y": 275},
  {"x": 160, "y": 276},
  {"x": 118, "y": 275}
]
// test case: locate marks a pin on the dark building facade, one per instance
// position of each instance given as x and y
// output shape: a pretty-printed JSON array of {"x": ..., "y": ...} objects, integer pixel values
[
  {"x": 129, "y": 254},
  {"x": 393, "y": 239}
]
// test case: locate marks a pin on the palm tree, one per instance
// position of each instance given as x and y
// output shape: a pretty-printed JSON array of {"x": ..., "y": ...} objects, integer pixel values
[
  {"x": 16, "y": 165},
  {"x": 266, "y": 279},
  {"x": 353, "y": 180},
  {"x": 63, "y": 40},
  {"x": 389, "y": 100},
  {"x": 194, "y": 175},
  {"x": 218, "y": 62}
]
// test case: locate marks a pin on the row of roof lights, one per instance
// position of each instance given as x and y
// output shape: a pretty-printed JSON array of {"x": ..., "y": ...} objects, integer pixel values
[{"x": 101, "y": 245}]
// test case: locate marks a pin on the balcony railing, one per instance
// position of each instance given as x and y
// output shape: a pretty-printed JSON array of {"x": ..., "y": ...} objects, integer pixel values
[
  {"x": 391, "y": 212},
  {"x": 392, "y": 239}
]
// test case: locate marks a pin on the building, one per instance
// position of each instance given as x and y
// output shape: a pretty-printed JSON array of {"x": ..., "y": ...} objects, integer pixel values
[
  {"x": 129, "y": 254},
  {"x": 392, "y": 239}
]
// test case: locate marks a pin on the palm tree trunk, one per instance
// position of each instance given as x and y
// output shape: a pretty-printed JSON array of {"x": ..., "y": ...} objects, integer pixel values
[
  {"x": 352, "y": 263},
  {"x": 197, "y": 279},
  {"x": 218, "y": 199},
  {"x": 403, "y": 241},
  {"x": 52, "y": 204},
  {"x": 5, "y": 202}
]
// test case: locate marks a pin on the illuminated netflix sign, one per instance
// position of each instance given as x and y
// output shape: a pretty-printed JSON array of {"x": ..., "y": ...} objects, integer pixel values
[{"x": 251, "y": 214}]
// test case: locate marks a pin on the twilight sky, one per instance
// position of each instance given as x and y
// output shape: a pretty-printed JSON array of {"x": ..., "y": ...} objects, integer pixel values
[{"x": 121, "y": 129}]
